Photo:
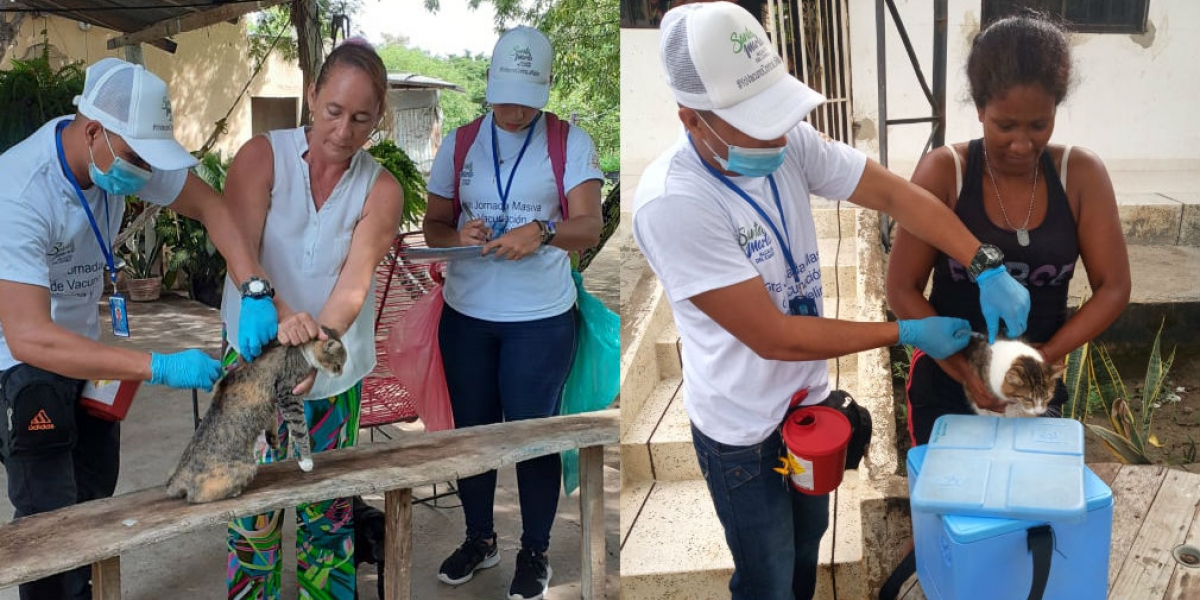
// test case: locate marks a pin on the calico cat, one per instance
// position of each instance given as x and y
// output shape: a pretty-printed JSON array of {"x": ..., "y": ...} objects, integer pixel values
[
  {"x": 219, "y": 461},
  {"x": 1014, "y": 372}
]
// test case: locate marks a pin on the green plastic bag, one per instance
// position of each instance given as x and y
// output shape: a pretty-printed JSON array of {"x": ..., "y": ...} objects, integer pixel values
[{"x": 595, "y": 376}]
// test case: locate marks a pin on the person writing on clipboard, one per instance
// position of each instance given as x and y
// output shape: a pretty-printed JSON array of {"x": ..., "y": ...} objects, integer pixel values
[{"x": 507, "y": 331}]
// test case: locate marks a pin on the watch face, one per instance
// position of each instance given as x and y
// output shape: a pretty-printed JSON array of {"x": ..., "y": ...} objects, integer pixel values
[{"x": 256, "y": 287}]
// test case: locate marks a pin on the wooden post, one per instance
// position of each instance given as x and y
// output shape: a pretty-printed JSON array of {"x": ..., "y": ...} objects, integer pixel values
[
  {"x": 398, "y": 553},
  {"x": 591, "y": 515},
  {"x": 106, "y": 579}
]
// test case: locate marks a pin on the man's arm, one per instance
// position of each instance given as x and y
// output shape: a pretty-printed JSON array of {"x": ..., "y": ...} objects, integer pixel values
[
  {"x": 199, "y": 201},
  {"x": 33, "y": 338},
  {"x": 745, "y": 310}
]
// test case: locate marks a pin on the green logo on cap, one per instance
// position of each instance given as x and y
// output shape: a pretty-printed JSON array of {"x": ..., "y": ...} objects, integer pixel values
[{"x": 746, "y": 41}]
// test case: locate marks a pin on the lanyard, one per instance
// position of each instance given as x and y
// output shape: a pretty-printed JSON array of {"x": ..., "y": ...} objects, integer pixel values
[
  {"x": 104, "y": 247},
  {"x": 785, "y": 238},
  {"x": 503, "y": 192}
]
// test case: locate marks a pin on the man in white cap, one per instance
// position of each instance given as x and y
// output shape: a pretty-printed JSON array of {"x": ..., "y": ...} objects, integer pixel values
[
  {"x": 62, "y": 206},
  {"x": 724, "y": 220}
]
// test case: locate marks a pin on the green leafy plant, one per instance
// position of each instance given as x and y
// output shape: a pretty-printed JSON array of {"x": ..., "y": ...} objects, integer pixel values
[
  {"x": 406, "y": 172},
  {"x": 32, "y": 92},
  {"x": 1129, "y": 433},
  {"x": 190, "y": 249},
  {"x": 141, "y": 252}
]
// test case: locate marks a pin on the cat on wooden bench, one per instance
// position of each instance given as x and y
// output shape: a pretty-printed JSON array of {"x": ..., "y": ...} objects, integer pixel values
[
  {"x": 1014, "y": 372},
  {"x": 219, "y": 461}
]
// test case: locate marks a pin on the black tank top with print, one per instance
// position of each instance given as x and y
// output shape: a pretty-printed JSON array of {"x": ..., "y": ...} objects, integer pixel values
[{"x": 1045, "y": 266}]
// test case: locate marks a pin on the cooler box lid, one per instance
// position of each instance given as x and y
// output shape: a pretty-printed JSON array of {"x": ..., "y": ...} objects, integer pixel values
[
  {"x": 1003, "y": 467},
  {"x": 966, "y": 530}
]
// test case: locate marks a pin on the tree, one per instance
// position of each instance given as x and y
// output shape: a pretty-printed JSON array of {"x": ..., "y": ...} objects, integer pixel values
[{"x": 468, "y": 72}]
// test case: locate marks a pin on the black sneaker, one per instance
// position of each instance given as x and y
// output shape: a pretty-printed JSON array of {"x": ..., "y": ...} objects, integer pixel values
[
  {"x": 475, "y": 553},
  {"x": 532, "y": 578}
]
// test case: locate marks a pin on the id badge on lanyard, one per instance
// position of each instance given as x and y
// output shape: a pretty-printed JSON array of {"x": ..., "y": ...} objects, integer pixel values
[{"x": 116, "y": 302}]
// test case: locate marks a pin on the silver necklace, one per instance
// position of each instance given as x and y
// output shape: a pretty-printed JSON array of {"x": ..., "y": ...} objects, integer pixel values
[{"x": 1023, "y": 230}]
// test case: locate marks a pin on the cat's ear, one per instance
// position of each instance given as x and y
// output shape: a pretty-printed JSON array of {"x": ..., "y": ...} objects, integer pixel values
[
  {"x": 329, "y": 331},
  {"x": 1015, "y": 376},
  {"x": 1057, "y": 369}
]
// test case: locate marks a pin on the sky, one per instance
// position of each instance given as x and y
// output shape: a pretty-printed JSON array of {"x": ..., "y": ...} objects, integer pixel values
[{"x": 453, "y": 29}]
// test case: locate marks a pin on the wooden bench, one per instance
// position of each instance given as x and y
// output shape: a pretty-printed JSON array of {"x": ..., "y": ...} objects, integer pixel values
[{"x": 98, "y": 532}]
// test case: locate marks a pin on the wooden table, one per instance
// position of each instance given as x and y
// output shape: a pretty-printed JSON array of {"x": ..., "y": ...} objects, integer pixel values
[
  {"x": 97, "y": 532},
  {"x": 1155, "y": 509}
]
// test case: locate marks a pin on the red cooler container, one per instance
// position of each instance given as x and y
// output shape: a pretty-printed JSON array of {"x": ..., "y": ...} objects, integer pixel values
[{"x": 816, "y": 438}]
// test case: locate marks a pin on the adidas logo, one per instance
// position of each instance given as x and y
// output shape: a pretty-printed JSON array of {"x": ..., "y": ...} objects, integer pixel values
[{"x": 41, "y": 422}]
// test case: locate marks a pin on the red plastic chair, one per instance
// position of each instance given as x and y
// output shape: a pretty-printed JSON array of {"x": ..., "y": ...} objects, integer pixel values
[{"x": 398, "y": 284}]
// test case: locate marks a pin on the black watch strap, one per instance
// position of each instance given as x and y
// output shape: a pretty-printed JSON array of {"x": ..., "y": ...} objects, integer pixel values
[
  {"x": 257, "y": 287},
  {"x": 987, "y": 257}
]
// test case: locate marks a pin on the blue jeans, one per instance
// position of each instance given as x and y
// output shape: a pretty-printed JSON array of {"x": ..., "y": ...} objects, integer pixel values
[
  {"x": 508, "y": 372},
  {"x": 773, "y": 531}
]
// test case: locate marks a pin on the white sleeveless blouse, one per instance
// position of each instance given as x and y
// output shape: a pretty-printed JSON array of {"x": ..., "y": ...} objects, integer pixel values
[{"x": 303, "y": 250}]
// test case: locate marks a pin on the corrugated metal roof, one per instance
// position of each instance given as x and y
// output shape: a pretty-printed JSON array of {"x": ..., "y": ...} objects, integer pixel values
[{"x": 412, "y": 80}]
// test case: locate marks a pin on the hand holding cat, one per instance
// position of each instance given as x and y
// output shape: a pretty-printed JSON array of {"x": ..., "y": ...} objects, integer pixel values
[
  {"x": 257, "y": 325},
  {"x": 1001, "y": 297},
  {"x": 297, "y": 328},
  {"x": 938, "y": 337},
  {"x": 186, "y": 370}
]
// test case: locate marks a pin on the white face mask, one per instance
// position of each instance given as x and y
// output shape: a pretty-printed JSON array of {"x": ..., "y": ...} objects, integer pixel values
[{"x": 751, "y": 162}]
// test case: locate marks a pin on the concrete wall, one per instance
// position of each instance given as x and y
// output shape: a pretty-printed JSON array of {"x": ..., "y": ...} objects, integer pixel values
[
  {"x": 1134, "y": 103},
  {"x": 204, "y": 75},
  {"x": 649, "y": 119}
]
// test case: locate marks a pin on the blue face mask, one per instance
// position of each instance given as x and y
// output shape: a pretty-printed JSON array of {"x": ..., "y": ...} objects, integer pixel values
[
  {"x": 751, "y": 162},
  {"x": 122, "y": 178}
]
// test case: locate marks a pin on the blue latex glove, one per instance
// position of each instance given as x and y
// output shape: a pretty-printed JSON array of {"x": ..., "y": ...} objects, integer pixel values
[
  {"x": 938, "y": 337},
  {"x": 188, "y": 369},
  {"x": 257, "y": 326},
  {"x": 1001, "y": 297}
]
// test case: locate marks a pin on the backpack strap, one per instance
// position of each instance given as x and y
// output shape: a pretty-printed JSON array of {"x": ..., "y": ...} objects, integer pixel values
[
  {"x": 464, "y": 137},
  {"x": 556, "y": 140}
]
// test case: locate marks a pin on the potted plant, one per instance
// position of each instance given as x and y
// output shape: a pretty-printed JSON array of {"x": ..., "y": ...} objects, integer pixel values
[
  {"x": 192, "y": 251},
  {"x": 141, "y": 252}
]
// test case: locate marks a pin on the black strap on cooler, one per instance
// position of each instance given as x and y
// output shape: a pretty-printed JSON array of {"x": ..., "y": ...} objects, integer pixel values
[
  {"x": 1040, "y": 542},
  {"x": 1041, "y": 545}
]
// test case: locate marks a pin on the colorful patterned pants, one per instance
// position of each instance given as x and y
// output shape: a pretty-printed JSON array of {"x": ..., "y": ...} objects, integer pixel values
[{"x": 325, "y": 531}]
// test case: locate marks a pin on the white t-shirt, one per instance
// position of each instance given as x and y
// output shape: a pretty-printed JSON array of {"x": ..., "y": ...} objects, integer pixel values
[
  {"x": 698, "y": 235},
  {"x": 538, "y": 286},
  {"x": 46, "y": 238}
]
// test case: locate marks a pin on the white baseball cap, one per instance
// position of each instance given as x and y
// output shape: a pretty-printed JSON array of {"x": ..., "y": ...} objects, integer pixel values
[
  {"x": 520, "y": 69},
  {"x": 133, "y": 103},
  {"x": 718, "y": 58}
]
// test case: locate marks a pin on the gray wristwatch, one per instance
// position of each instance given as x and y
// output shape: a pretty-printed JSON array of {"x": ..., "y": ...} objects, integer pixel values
[
  {"x": 256, "y": 287},
  {"x": 987, "y": 257}
]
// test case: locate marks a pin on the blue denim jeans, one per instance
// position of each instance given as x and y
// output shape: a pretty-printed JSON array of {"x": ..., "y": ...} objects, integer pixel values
[
  {"x": 508, "y": 372},
  {"x": 772, "y": 530}
]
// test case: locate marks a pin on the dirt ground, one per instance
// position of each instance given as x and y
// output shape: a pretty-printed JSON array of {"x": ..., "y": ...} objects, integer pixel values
[{"x": 1175, "y": 424}]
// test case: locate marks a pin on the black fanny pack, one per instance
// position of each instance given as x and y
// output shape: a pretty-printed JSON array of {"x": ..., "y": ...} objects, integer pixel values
[
  {"x": 860, "y": 425},
  {"x": 37, "y": 410}
]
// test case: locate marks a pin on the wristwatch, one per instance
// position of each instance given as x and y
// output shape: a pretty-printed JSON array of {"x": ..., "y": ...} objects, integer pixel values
[
  {"x": 256, "y": 287},
  {"x": 551, "y": 231},
  {"x": 987, "y": 257}
]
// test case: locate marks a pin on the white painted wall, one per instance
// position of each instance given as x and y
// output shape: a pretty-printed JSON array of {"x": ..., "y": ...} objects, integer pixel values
[
  {"x": 649, "y": 116},
  {"x": 1135, "y": 103}
]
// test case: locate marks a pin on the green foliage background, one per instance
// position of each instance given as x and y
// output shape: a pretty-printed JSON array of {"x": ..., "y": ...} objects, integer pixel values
[{"x": 32, "y": 92}]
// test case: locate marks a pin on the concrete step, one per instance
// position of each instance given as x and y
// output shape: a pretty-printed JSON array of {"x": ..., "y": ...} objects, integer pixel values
[
  {"x": 1160, "y": 219},
  {"x": 659, "y": 446},
  {"x": 846, "y": 268},
  {"x": 675, "y": 548},
  {"x": 1165, "y": 291},
  {"x": 826, "y": 216},
  {"x": 666, "y": 349},
  {"x": 636, "y": 463}
]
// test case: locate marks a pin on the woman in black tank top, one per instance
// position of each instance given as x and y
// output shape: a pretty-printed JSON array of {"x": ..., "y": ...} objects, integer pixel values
[{"x": 1013, "y": 194}]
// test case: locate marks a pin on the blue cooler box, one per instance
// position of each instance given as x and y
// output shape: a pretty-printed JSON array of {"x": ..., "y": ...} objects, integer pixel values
[{"x": 962, "y": 557}]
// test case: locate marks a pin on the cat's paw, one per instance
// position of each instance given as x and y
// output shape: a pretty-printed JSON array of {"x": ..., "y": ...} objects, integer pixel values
[{"x": 306, "y": 464}]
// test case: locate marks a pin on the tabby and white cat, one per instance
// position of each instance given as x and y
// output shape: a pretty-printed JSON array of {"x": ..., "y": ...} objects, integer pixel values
[
  {"x": 1014, "y": 372},
  {"x": 219, "y": 462}
]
